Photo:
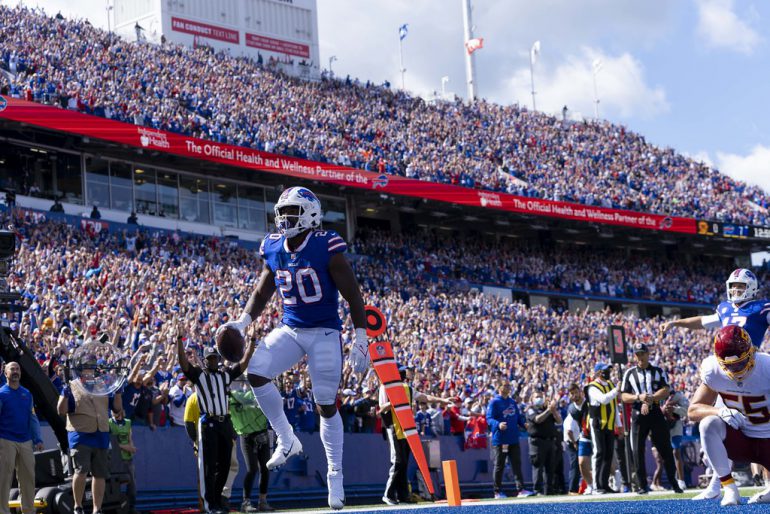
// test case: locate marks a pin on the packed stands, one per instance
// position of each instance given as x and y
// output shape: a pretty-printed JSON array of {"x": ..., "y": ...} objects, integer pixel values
[
  {"x": 481, "y": 145},
  {"x": 136, "y": 288}
]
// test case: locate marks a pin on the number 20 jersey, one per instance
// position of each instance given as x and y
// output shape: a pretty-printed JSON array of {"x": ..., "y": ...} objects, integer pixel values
[
  {"x": 309, "y": 294},
  {"x": 753, "y": 317},
  {"x": 751, "y": 396}
]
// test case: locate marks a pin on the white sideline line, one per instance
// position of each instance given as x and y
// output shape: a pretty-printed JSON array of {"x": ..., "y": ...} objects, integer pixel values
[{"x": 604, "y": 498}]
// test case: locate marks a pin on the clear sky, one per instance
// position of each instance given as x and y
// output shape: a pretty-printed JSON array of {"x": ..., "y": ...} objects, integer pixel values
[{"x": 689, "y": 74}]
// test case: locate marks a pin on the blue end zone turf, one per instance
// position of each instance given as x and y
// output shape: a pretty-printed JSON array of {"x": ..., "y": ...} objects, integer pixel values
[{"x": 602, "y": 507}]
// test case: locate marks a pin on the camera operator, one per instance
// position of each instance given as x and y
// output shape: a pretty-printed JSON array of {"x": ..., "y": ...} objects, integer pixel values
[
  {"x": 88, "y": 431},
  {"x": 645, "y": 386},
  {"x": 543, "y": 438}
]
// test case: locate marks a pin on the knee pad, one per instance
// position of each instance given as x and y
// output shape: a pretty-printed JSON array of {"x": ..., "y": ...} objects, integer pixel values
[
  {"x": 257, "y": 381},
  {"x": 327, "y": 411}
]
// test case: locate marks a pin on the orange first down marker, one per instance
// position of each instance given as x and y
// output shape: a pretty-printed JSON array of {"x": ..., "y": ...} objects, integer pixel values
[{"x": 451, "y": 484}]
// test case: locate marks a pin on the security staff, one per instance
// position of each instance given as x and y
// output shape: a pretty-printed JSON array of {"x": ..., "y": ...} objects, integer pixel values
[
  {"x": 645, "y": 386},
  {"x": 543, "y": 438},
  {"x": 19, "y": 430},
  {"x": 215, "y": 430},
  {"x": 250, "y": 424},
  {"x": 604, "y": 418}
]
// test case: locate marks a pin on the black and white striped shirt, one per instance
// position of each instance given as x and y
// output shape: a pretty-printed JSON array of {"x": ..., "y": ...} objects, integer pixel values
[
  {"x": 640, "y": 381},
  {"x": 212, "y": 388}
]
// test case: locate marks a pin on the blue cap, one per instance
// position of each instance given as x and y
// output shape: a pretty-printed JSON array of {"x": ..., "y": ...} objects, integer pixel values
[{"x": 601, "y": 366}]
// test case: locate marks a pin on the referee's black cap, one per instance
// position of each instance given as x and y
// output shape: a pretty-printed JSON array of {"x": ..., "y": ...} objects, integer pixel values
[
  {"x": 641, "y": 348},
  {"x": 209, "y": 352}
]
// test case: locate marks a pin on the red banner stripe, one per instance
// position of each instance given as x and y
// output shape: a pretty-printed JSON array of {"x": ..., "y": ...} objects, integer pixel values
[{"x": 168, "y": 142}]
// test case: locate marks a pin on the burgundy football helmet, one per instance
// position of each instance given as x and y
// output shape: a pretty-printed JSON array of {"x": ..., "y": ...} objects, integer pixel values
[{"x": 734, "y": 351}]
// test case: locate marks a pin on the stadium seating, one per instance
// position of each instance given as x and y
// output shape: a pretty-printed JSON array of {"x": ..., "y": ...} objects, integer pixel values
[{"x": 482, "y": 145}]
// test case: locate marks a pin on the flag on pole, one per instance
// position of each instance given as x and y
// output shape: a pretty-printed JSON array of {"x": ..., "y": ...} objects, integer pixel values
[
  {"x": 535, "y": 52},
  {"x": 402, "y": 31},
  {"x": 474, "y": 44}
]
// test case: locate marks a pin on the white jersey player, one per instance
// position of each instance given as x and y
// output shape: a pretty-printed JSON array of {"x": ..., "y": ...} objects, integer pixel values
[{"x": 740, "y": 430}]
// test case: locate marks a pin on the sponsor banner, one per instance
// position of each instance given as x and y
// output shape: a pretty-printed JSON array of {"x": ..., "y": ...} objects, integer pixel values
[
  {"x": 197, "y": 28},
  {"x": 156, "y": 140},
  {"x": 277, "y": 45}
]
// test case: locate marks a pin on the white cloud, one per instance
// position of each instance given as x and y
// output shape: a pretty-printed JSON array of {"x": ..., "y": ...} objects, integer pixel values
[
  {"x": 620, "y": 82},
  {"x": 720, "y": 27},
  {"x": 753, "y": 168}
]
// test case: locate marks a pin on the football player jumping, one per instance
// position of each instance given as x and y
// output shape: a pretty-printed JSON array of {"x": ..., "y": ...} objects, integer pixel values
[
  {"x": 739, "y": 431},
  {"x": 307, "y": 266}
]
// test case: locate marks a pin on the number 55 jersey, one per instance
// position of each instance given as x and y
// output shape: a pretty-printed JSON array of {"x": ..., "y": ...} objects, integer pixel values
[
  {"x": 751, "y": 395},
  {"x": 302, "y": 278}
]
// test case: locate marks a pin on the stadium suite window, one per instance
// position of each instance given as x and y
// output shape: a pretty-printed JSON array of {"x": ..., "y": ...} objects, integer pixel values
[
  {"x": 97, "y": 182},
  {"x": 251, "y": 208},
  {"x": 121, "y": 186},
  {"x": 225, "y": 206},
  {"x": 145, "y": 191},
  {"x": 168, "y": 194},
  {"x": 194, "y": 199}
]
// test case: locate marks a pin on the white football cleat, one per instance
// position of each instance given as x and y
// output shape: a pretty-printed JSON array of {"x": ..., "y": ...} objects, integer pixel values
[
  {"x": 732, "y": 496},
  {"x": 761, "y": 497},
  {"x": 682, "y": 485},
  {"x": 709, "y": 493},
  {"x": 336, "y": 490},
  {"x": 283, "y": 452}
]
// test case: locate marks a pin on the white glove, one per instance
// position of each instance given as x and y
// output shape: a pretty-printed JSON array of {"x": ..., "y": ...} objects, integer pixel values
[
  {"x": 733, "y": 417},
  {"x": 359, "y": 351},
  {"x": 239, "y": 324}
]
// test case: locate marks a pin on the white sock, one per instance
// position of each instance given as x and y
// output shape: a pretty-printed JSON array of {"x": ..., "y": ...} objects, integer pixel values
[
  {"x": 332, "y": 436},
  {"x": 271, "y": 403},
  {"x": 712, "y": 437}
]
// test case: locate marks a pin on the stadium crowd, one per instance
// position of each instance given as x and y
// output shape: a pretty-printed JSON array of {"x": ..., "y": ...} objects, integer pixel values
[
  {"x": 137, "y": 289},
  {"x": 196, "y": 92}
]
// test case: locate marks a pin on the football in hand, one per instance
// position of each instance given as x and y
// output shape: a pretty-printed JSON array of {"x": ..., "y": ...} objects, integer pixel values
[{"x": 230, "y": 343}]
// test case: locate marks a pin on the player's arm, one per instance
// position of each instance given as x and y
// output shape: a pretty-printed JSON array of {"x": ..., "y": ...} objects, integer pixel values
[
  {"x": 345, "y": 280},
  {"x": 702, "y": 404},
  {"x": 693, "y": 323},
  {"x": 260, "y": 297}
]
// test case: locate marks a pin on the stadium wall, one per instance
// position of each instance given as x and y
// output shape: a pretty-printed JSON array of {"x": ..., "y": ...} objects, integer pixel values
[{"x": 165, "y": 461}]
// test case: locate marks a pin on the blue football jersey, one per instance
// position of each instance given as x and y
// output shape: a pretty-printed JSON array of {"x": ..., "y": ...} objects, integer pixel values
[
  {"x": 752, "y": 316},
  {"x": 310, "y": 297}
]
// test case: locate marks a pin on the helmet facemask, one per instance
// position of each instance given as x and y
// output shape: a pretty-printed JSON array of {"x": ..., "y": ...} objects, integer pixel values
[
  {"x": 297, "y": 210},
  {"x": 749, "y": 282},
  {"x": 737, "y": 368}
]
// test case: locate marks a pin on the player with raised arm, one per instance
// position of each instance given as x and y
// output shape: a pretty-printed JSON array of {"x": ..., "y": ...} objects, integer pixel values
[
  {"x": 742, "y": 308},
  {"x": 740, "y": 430},
  {"x": 307, "y": 266}
]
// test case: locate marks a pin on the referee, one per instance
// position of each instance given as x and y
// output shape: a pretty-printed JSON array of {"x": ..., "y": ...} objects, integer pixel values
[
  {"x": 215, "y": 430},
  {"x": 645, "y": 386}
]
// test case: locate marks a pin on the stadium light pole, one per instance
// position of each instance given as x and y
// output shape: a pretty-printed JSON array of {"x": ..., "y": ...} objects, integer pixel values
[
  {"x": 444, "y": 81},
  {"x": 331, "y": 60},
  {"x": 109, "y": 26},
  {"x": 470, "y": 61},
  {"x": 596, "y": 65}
]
